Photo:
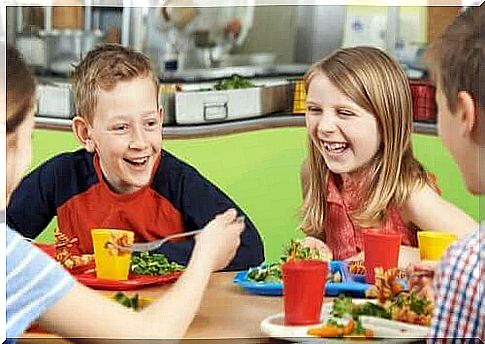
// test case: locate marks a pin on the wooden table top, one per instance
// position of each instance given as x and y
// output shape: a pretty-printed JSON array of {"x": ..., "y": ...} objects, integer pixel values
[{"x": 227, "y": 311}]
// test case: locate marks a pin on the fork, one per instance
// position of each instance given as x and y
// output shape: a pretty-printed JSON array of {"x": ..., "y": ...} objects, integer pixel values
[{"x": 153, "y": 245}]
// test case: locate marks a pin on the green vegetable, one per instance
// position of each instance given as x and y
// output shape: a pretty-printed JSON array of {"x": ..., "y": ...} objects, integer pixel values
[
  {"x": 342, "y": 306},
  {"x": 359, "y": 328},
  {"x": 271, "y": 273},
  {"x": 416, "y": 304},
  {"x": 147, "y": 263},
  {"x": 232, "y": 83},
  {"x": 267, "y": 273},
  {"x": 127, "y": 301},
  {"x": 296, "y": 250},
  {"x": 370, "y": 309}
]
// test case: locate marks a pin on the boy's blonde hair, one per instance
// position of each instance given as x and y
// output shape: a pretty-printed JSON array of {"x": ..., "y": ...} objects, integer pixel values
[
  {"x": 376, "y": 83},
  {"x": 456, "y": 56},
  {"x": 101, "y": 69}
]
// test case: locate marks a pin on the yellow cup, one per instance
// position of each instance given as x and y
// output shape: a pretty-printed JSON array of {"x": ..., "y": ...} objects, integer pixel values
[
  {"x": 433, "y": 245},
  {"x": 110, "y": 263}
]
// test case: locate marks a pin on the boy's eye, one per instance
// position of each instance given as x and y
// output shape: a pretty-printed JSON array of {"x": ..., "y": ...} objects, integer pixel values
[
  {"x": 151, "y": 123},
  {"x": 120, "y": 127}
]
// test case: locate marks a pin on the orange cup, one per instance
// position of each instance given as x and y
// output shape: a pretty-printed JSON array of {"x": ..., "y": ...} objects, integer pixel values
[{"x": 303, "y": 289}]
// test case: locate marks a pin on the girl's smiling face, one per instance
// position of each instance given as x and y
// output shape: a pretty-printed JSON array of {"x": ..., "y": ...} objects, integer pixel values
[{"x": 345, "y": 134}]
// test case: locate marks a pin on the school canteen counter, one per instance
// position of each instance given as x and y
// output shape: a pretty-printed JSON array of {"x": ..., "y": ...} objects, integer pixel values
[
  {"x": 223, "y": 128},
  {"x": 257, "y": 163}
]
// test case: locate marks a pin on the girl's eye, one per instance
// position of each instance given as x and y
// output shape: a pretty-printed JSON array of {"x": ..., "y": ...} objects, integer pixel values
[
  {"x": 311, "y": 108},
  {"x": 345, "y": 113}
]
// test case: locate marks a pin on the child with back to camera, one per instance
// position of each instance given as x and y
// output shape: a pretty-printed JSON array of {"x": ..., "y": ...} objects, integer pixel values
[
  {"x": 361, "y": 172},
  {"x": 455, "y": 62}
]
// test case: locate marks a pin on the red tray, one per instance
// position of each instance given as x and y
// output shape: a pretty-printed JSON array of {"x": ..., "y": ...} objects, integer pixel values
[{"x": 87, "y": 276}]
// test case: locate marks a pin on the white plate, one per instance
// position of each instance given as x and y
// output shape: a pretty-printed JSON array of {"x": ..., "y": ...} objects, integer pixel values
[{"x": 274, "y": 327}]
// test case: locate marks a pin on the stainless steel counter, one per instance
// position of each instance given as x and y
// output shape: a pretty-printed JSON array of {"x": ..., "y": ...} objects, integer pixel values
[{"x": 224, "y": 128}]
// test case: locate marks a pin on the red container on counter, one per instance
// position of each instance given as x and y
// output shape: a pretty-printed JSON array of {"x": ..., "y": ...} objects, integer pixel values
[{"x": 424, "y": 105}]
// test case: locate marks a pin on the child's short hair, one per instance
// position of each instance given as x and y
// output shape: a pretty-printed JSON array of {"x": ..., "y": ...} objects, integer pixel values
[
  {"x": 20, "y": 89},
  {"x": 102, "y": 68},
  {"x": 375, "y": 82},
  {"x": 455, "y": 57}
]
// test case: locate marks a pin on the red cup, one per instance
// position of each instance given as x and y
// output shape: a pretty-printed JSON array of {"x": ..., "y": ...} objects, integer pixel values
[
  {"x": 381, "y": 250},
  {"x": 304, "y": 288}
]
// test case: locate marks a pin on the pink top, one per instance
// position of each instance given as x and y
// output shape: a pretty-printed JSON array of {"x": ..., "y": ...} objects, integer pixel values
[{"x": 342, "y": 235}]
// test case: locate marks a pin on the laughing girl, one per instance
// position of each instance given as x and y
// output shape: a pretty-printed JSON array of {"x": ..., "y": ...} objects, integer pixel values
[{"x": 361, "y": 172}]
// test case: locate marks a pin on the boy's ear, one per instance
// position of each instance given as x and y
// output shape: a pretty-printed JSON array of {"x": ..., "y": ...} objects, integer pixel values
[
  {"x": 467, "y": 111},
  {"x": 81, "y": 130},
  {"x": 162, "y": 113}
]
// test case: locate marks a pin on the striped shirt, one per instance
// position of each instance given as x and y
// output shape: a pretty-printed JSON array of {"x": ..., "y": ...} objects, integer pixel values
[
  {"x": 459, "y": 310},
  {"x": 34, "y": 283}
]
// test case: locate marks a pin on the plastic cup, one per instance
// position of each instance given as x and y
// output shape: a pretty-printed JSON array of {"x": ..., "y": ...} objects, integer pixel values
[
  {"x": 111, "y": 264},
  {"x": 381, "y": 250},
  {"x": 433, "y": 245},
  {"x": 304, "y": 288}
]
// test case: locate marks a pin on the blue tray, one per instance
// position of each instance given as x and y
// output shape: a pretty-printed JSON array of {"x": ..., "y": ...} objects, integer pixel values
[{"x": 348, "y": 286}]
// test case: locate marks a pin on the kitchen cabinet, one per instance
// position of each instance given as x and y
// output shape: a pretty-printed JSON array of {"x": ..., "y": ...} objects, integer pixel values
[{"x": 260, "y": 171}]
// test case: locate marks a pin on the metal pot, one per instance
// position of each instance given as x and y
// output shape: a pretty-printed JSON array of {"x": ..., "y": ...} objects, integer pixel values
[{"x": 65, "y": 48}]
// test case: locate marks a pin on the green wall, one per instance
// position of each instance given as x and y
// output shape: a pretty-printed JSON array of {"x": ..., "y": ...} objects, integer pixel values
[{"x": 260, "y": 171}]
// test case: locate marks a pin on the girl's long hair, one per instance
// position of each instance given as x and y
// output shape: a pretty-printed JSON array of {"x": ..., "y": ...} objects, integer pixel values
[{"x": 376, "y": 83}]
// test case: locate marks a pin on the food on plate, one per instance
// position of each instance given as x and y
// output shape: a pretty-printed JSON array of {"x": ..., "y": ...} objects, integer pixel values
[
  {"x": 413, "y": 309},
  {"x": 271, "y": 273},
  {"x": 393, "y": 303},
  {"x": 147, "y": 263},
  {"x": 385, "y": 286},
  {"x": 267, "y": 273},
  {"x": 64, "y": 252},
  {"x": 235, "y": 82},
  {"x": 338, "y": 328},
  {"x": 296, "y": 250},
  {"x": 119, "y": 244},
  {"x": 357, "y": 267}
]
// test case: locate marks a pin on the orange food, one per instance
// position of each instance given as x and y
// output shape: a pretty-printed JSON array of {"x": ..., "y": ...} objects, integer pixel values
[
  {"x": 64, "y": 252},
  {"x": 326, "y": 331}
]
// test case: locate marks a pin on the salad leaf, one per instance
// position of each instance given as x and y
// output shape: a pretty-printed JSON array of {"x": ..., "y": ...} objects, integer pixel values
[
  {"x": 147, "y": 263},
  {"x": 235, "y": 82}
]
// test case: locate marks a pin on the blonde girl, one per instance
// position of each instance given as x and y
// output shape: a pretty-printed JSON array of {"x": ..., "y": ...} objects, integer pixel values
[{"x": 361, "y": 172}]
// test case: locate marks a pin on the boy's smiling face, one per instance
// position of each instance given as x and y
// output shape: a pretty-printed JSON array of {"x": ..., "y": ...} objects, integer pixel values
[{"x": 126, "y": 133}]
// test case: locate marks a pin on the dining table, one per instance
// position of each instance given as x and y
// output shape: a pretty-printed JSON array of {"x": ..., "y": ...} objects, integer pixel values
[{"x": 227, "y": 312}]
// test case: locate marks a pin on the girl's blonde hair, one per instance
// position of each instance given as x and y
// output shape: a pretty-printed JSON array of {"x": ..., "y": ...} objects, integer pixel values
[{"x": 376, "y": 83}]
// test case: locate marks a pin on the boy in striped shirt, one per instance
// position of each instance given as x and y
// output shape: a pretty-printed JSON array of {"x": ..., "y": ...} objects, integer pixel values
[{"x": 455, "y": 59}]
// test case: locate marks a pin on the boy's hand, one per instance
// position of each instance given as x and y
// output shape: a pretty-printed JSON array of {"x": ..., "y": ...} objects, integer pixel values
[
  {"x": 316, "y": 244},
  {"x": 217, "y": 244},
  {"x": 421, "y": 280}
]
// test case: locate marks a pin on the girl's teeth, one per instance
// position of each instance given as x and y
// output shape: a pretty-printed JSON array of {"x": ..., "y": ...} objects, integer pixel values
[{"x": 335, "y": 147}]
